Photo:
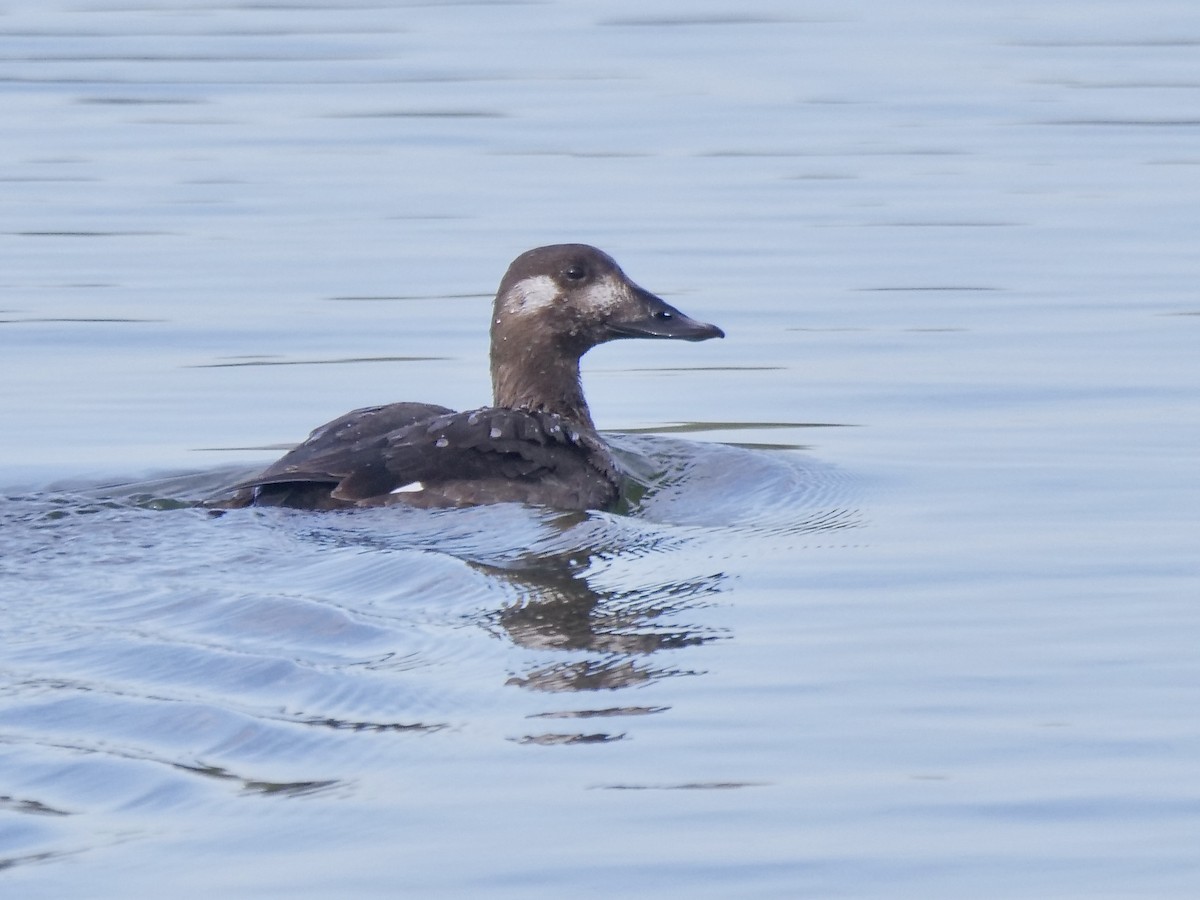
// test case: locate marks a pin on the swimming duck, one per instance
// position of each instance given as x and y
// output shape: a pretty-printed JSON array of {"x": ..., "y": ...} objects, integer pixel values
[{"x": 535, "y": 444}]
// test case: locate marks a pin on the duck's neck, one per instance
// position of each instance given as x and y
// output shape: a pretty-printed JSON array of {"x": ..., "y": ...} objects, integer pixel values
[{"x": 539, "y": 379}]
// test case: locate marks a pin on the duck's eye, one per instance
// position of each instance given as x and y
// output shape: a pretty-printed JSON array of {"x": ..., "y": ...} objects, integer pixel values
[{"x": 575, "y": 272}]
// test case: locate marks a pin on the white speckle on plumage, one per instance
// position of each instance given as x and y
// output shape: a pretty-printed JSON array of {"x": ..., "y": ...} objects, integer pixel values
[
  {"x": 473, "y": 418},
  {"x": 411, "y": 488},
  {"x": 442, "y": 442},
  {"x": 495, "y": 432}
]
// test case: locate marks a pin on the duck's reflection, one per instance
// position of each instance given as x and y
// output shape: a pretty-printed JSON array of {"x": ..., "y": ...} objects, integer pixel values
[{"x": 608, "y": 637}]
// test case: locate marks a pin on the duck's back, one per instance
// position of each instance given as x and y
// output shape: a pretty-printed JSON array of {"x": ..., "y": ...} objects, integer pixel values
[{"x": 429, "y": 456}]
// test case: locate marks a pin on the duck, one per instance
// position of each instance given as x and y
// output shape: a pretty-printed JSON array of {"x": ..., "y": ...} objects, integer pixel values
[{"x": 536, "y": 444}]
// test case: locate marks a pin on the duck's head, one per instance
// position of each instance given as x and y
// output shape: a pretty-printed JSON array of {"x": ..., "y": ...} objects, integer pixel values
[
  {"x": 577, "y": 297},
  {"x": 554, "y": 304}
]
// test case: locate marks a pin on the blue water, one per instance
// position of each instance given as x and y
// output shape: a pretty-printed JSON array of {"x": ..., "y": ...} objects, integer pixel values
[{"x": 911, "y": 606}]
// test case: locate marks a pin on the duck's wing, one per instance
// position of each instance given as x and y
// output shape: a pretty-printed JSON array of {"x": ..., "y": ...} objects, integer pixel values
[
  {"x": 328, "y": 452},
  {"x": 431, "y": 456},
  {"x": 487, "y": 455},
  {"x": 305, "y": 475}
]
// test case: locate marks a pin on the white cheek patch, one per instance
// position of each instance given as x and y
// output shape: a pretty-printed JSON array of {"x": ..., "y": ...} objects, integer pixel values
[
  {"x": 411, "y": 488},
  {"x": 532, "y": 295},
  {"x": 606, "y": 296},
  {"x": 529, "y": 295}
]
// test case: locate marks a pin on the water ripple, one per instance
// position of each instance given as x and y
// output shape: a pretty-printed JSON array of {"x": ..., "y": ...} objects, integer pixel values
[{"x": 169, "y": 652}]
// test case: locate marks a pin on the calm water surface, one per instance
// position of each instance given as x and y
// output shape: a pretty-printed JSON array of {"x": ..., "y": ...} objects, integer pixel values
[{"x": 910, "y": 605}]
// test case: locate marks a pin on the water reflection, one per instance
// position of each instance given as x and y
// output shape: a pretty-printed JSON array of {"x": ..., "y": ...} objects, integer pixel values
[
  {"x": 31, "y": 807},
  {"x": 605, "y": 635},
  {"x": 253, "y": 648},
  {"x": 558, "y": 609},
  {"x": 250, "y": 785}
]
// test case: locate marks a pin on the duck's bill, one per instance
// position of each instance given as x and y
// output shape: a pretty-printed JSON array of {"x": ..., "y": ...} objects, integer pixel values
[{"x": 658, "y": 319}]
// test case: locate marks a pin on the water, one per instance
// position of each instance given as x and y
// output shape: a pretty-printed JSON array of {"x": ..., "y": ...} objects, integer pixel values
[{"x": 911, "y": 608}]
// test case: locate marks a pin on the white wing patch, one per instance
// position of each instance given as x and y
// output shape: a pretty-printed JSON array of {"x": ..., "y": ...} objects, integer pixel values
[{"x": 411, "y": 488}]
